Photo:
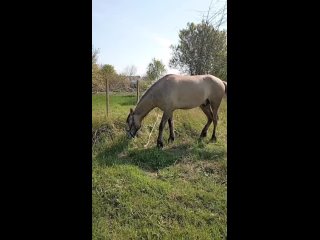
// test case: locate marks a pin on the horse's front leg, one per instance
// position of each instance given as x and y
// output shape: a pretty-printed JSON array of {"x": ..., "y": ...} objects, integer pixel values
[
  {"x": 170, "y": 122},
  {"x": 164, "y": 119}
]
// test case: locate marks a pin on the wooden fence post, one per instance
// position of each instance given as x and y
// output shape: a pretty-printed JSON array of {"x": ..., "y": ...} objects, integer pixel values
[
  {"x": 107, "y": 96},
  {"x": 137, "y": 91}
]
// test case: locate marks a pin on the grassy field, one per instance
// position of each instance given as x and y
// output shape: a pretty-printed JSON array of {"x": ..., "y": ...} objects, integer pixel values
[{"x": 141, "y": 192}]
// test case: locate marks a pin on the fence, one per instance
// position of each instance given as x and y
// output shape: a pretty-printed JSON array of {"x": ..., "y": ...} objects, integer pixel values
[{"x": 107, "y": 93}]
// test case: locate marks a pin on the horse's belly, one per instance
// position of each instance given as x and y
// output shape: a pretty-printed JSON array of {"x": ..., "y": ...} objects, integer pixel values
[
  {"x": 189, "y": 97},
  {"x": 188, "y": 103}
]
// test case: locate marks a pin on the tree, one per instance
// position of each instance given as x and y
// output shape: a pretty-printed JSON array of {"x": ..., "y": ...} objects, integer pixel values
[
  {"x": 108, "y": 69},
  {"x": 95, "y": 53},
  {"x": 107, "y": 72},
  {"x": 217, "y": 18},
  {"x": 95, "y": 70},
  {"x": 116, "y": 81},
  {"x": 202, "y": 48},
  {"x": 155, "y": 69}
]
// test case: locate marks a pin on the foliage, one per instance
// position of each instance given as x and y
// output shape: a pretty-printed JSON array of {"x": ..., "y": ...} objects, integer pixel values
[
  {"x": 155, "y": 69},
  {"x": 202, "y": 49}
]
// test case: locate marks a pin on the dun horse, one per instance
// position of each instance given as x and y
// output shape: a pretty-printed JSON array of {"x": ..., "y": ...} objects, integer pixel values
[{"x": 179, "y": 92}]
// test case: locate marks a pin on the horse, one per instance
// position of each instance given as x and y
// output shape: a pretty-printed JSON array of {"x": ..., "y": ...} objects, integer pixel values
[{"x": 173, "y": 92}]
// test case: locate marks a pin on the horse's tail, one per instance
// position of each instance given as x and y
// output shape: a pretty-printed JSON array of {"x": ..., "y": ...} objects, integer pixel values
[{"x": 225, "y": 84}]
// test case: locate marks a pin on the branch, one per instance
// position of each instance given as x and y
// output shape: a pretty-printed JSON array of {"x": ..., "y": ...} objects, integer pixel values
[{"x": 222, "y": 13}]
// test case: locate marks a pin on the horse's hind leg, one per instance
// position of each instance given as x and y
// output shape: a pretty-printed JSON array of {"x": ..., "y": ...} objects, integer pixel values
[
  {"x": 215, "y": 109},
  {"x": 170, "y": 122},
  {"x": 207, "y": 111},
  {"x": 215, "y": 123}
]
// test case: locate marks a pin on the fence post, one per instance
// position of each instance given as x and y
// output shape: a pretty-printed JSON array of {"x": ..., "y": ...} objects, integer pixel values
[
  {"x": 137, "y": 91},
  {"x": 107, "y": 96}
]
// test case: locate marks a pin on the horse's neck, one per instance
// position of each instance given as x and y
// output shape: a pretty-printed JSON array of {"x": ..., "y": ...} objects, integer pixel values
[{"x": 144, "y": 106}]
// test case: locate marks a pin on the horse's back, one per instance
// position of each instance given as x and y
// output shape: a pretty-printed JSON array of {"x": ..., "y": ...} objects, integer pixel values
[
  {"x": 189, "y": 91},
  {"x": 184, "y": 83}
]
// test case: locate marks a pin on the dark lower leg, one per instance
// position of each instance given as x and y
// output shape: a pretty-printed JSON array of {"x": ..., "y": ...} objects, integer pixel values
[
  {"x": 171, "y": 137},
  {"x": 215, "y": 122},
  {"x": 161, "y": 127},
  {"x": 205, "y": 129},
  {"x": 207, "y": 111},
  {"x": 215, "y": 109}
]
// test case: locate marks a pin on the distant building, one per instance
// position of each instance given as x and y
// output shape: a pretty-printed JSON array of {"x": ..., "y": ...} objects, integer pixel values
[{"x": 133, "y": 80}]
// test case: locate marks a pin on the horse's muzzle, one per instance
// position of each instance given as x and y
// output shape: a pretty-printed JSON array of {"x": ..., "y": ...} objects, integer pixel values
[{"x": 130, "y": 135}]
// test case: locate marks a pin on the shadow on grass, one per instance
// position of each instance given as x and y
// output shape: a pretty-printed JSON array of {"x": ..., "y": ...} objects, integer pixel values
[{"x": 153, "y": 159}]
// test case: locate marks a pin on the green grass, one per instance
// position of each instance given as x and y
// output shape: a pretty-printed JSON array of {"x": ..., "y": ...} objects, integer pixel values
[{"x": 140, "y": 192}]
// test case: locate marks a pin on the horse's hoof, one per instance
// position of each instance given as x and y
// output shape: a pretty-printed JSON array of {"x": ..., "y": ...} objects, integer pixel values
[
  {"x": 213, "y": 140},
  {"x": 160, "y": 144},
  {"x": 170, "y": 139},
  {"x": 203, "y": 135}
]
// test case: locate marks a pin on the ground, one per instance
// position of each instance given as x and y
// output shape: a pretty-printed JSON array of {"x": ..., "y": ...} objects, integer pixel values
[{"x": 141, "y": 192}]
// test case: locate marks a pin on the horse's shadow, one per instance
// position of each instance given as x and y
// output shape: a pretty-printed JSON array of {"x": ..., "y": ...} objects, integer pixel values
[{"x": 154, "y": 159}]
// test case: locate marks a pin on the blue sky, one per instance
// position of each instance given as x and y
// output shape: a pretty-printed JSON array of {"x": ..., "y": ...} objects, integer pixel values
[{"x": 133, "y": 32}]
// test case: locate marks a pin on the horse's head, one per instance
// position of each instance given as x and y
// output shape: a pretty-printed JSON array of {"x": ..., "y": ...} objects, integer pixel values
[{"x": 133, "y": 124}]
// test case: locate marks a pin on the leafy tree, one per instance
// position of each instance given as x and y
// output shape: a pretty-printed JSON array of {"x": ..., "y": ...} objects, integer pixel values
[
  {"x": 108, "y": 70},
  {"x": 202, "y": 49},
  {"x": 155, "y": 69}
]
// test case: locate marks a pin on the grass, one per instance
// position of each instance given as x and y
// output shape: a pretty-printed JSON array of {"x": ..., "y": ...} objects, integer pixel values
[{"x": 140, "y": 192}]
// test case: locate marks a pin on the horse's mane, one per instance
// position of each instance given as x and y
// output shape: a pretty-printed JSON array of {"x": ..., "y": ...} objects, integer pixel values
[
  {"x": 146, "y": 92},
  {"x": 150, "y": 88}
]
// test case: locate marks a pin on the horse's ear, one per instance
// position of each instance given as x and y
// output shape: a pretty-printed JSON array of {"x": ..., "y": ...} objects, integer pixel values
[{"x": 131, "y": 111}]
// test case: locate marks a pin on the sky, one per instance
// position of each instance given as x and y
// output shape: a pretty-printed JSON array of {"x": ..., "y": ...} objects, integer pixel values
[{"x": 134, "y": 32}]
